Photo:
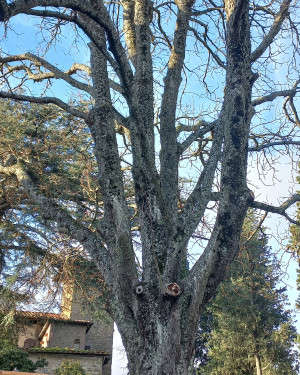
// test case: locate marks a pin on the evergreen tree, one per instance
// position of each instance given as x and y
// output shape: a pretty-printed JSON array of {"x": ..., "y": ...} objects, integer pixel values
[
  {"x": 250, "y": 332},
  {"x": 33, "y": 258},
  {"x": 294, "y": 248}
]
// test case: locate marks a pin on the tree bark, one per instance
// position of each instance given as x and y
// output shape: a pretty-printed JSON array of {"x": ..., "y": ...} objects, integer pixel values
[
  {"x": 163, "y": 346},
  {"x": 258, "y": 364}
]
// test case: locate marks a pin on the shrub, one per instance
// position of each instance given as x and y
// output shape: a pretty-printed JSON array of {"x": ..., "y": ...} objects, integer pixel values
[
  {"x": 70, "y": 368},
  {"x": 12, "y": 357}
]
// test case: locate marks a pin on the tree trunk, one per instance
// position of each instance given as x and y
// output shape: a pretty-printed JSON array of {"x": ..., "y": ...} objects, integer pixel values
[
  {"x": 162, "y": 345},
  {"x": 258, "y": 364}
]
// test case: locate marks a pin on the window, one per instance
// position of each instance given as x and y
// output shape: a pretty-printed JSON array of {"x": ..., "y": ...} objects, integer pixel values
[
  {"x": 29, "y": 343},
  {"x": 77, "y": 344}
]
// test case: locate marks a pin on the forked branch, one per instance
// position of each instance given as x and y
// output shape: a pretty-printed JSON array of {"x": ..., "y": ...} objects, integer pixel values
[
  {"x": 280, "y": 210},
  {"x": 276, "y": 27},
  {"x": 53, "y": 71}
]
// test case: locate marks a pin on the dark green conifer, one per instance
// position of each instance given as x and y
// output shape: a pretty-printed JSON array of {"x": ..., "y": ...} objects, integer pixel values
[{"x": 251, "y": 331}]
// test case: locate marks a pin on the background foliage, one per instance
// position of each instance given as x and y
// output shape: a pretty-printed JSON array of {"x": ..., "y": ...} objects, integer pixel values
[{"x": 248, "y": 322}]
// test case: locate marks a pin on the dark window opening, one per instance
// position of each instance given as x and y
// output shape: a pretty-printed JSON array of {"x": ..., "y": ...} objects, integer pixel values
[{"x": 29, "y": 343}]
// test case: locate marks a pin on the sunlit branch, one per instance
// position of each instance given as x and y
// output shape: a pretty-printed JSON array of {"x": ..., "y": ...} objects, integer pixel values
[
  {"x": 121, "y": 120},
  {"x": 252, "y": 234},
  {"x": 85, "y": 28},
  {"x": 129, "y": 29},
  {"x": 55, "y": 72},
  {"x": 44, "y": 100},
  {"x": 85, "y": 18},
  {"x": 199, "y": 131}
]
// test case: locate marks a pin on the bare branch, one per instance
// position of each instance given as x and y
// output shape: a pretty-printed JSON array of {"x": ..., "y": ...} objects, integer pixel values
[
  {"x": 44, "y": 100},
  {"x": 199, "y": 130},
  {"x": 55, "y": 72},
  {"x": 205, "y": 11},
  {"x": 169, "y": 153},
  {"x": 274, "y": 95},
  {"x": 166, "y": 39},
  {"x": 273, "y": 144},
  {"x": 281, "y": 16},
  {"x": 87, "y": 15},
  {"x": 280, "y": 210},
  {"x": 252, "y": 234},
  {"x": 85, "y": 27},
  {"x": 197, "y": 202},
  {"x": 296, "y": 119},
  {"x": 213, "y": 54}
]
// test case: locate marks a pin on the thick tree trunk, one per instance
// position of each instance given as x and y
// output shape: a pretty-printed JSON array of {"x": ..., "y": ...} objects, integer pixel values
[{"x": 162, "y": 345}]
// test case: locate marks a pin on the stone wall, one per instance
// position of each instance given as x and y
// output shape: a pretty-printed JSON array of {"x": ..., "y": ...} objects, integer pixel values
[
  {"x": 64, "y": 335},
  {"x": 29, "y": 331},
  {"x": 100, "y": 336},
  {"x": 92, "y": 364}
]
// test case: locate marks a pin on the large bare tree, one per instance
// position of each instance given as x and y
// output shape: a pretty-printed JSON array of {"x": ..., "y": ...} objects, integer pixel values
[{"x": 167, "y": 84}]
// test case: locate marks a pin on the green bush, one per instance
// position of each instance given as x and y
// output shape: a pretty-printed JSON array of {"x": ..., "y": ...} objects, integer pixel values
[
  {"x": 70, "y": 368},
  {"x": 13, "y": 357}
]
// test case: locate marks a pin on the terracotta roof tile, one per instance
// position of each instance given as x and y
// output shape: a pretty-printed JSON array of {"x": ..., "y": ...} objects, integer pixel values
[
  {"x": 39, "y": 314},
  {"x": 49, "y": 316}
]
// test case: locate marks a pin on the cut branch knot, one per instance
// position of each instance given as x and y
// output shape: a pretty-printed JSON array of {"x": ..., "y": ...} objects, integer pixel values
[
  {"x": 173, "y": 290},
  {"x": 139, "y": 289}
]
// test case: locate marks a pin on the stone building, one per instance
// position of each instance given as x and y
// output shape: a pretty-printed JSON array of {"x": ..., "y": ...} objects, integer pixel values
[{"x": 71, "y": 335}]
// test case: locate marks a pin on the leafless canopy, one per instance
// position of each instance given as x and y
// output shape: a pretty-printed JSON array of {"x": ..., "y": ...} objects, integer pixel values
[{"x": 176, "y": 96}]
